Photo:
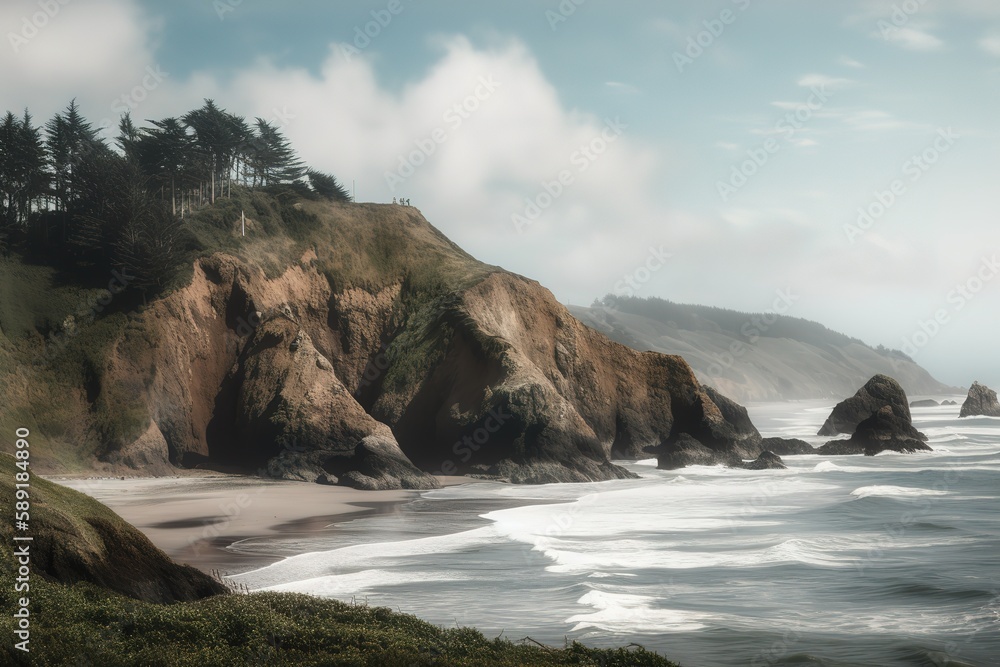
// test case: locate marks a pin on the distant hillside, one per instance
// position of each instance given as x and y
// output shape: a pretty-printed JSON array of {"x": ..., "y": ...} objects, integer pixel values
[{"x": 753, "y": 357}]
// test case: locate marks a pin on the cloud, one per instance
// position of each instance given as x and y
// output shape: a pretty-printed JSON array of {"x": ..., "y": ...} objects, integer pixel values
[
  {"x": 823, "y": 81},
  {"x": 911, "y": 39},
  {"x": 847, "y": 61},
  {"x": 876, "y": 120},
  {"x": 991, "y": 45},
  {"x": 500, "y": 155},
  {"x": 100, "y": 48}
]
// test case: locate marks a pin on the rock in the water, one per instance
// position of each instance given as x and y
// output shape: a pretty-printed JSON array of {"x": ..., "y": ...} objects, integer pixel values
[
  {"x": 982, "y": 401},
  {"x": 883, "y": 431},
  {"x": 543, "y": 472},
  {"x": 737, "y": 432},
  {"x": 787, "y": 446},
  {"x": 685, "y": 450},
  {"x": 766, "y": 461},
  {"x": 949, "y": 403},
  {"x": 878, "y": 392},
  {"x": 926, "y": 403}
]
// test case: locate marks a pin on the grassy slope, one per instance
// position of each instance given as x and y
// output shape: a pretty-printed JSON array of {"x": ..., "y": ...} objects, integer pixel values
[{"x": 83, "y": 624}]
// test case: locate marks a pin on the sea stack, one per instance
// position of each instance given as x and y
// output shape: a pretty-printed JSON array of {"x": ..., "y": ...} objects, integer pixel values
[
  {"x": 981, "y": 402},
  {"x": 878, "y": 392},
  {"x": 884, "y": 430}
]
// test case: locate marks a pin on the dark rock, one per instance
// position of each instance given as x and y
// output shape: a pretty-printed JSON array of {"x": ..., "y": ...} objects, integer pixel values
[
  {"x": 982, "y": 401},
  {"x": 926, "y": 403},
  {"x": 685, "y": 450},
  {"x": 737, "y": 432},
  {"x": 545, "y": 472},
  {"x": 878, "y": 392},
  {"x": 883, "y": 431},
  {"x": 766, "y": 461},
  {"x": 378, "y": 465},
  {"x": 788, "y": 446},
  {"x": 949, "y": 403}
]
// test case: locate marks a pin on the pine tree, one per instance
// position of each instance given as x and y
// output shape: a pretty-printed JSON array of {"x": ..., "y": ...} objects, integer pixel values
[
  {"x": 273, "y": 159},
  {"x": 327, "y": 186}
]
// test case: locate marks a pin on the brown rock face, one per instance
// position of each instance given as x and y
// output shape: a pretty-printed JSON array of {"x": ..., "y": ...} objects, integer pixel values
[{"x": 388, "y": 353}]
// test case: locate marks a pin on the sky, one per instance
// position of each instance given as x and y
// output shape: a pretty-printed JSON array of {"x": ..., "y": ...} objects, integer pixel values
[{"x": 836, "y": 160}]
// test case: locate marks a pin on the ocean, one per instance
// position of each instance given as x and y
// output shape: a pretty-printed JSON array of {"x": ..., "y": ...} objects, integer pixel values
[{"x": 836, "y": 561}]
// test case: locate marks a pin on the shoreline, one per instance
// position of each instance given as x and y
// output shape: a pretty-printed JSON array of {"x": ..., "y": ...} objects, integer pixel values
[{"x": 194, "y": 519}]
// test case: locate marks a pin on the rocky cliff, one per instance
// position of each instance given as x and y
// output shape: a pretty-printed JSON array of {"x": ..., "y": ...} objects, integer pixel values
[{"x": 366, "y": 349}]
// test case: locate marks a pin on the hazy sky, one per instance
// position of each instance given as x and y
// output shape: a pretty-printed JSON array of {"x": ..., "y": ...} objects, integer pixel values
[{"x": 729, "y": 146}]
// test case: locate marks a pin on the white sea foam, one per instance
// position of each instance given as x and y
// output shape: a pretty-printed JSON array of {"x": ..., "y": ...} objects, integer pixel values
[
  {"x": 354, "y": 583},
  {"x": 898, "y": 491},
  {"x": 827, "y": 466},
  {"x": 363, "y": 556},
  {"x": 624, "y": 613}
]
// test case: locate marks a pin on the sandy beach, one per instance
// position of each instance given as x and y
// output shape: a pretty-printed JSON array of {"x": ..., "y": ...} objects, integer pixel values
[{"x": 194, "y": 518}]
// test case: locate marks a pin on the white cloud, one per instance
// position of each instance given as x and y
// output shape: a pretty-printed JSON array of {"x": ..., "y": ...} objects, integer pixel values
[
  {"x": 876, "y": 120},
  {"x": 847, "y": 61},
  {"x": 503, "y": 153},
  {"x": 823, "y": 81},
  {"x": 95, "y": 50},
  {"x": 991, "y": 45},
  {"x": 911, "y": 39}
]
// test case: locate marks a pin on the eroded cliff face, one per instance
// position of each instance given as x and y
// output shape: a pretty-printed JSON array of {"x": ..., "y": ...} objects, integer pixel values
[{"x": 317, "y": 374}]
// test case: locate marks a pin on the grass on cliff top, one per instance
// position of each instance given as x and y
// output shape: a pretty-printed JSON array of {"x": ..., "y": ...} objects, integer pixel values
[{"x": 83, "y": 625}]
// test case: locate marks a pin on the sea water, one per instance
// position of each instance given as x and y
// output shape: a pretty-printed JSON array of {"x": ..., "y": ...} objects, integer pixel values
[{"x": 886, "y": 560}]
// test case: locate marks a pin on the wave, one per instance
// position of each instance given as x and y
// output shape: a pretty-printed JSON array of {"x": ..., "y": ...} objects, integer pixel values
[
  {"x": 886, "y": 491},
  {"x": 629, "y": 614}
]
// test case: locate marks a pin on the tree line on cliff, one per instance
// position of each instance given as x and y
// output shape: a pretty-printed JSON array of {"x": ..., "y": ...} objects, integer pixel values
[{"x": 73, "y": 199}]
